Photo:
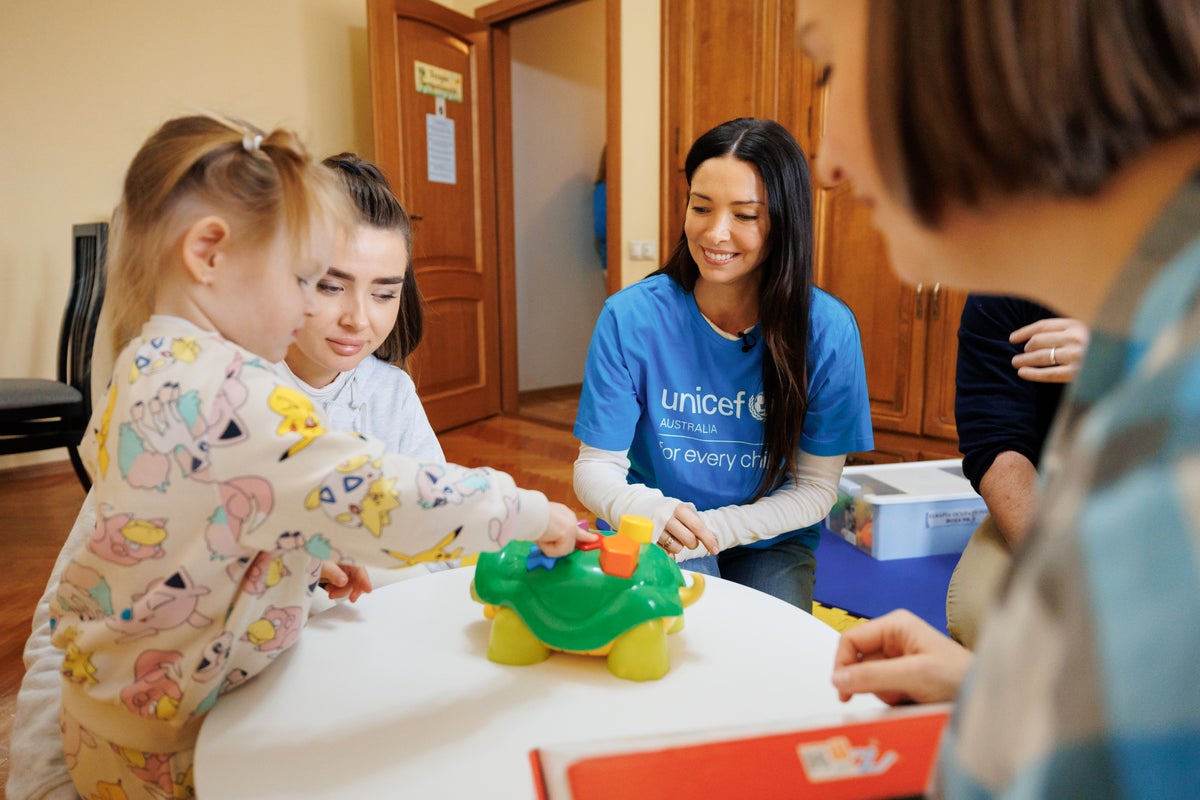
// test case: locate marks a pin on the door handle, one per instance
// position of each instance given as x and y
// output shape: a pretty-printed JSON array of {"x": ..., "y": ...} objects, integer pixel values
[
  {"x": 920, "y": 289},
  {"x": 935, "y": 311}
]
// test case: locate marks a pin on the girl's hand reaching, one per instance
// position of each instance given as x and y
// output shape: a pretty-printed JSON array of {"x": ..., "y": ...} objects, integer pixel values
[
  {"x": 344, "y": 580},
  {"x": 562, "y": 532}
]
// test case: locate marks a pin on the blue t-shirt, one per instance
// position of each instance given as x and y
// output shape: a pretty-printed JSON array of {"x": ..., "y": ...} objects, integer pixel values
[{"x": 687, "y": 403}]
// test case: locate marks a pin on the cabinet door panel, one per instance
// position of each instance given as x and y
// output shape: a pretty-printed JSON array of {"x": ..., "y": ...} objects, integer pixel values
[
  {"x": 851, "y": 263},
  {"x": 944, "y": 310}
]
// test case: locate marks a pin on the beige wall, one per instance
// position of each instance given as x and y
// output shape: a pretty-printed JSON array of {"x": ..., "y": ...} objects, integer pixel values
[
  {"x": 83, "y": 84},
  {"x": 641, "y": 22}
]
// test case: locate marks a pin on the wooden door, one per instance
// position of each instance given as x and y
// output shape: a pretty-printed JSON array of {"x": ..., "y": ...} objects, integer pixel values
[
  {"x": 721, "y": 60},
  {"x": 725, "y": 59},
  {"x": 729, "y": 58},
  {"x": 431, "y": 98}
]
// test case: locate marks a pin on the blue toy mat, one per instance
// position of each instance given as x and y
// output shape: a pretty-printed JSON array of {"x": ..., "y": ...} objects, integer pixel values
[{"x": 849, "y": 579}]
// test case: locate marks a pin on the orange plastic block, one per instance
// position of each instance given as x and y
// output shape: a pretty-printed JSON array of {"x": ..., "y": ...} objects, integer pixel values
[{"x": 619, "y": 555}]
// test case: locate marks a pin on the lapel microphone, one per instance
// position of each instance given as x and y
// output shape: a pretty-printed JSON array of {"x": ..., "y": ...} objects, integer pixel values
[{"x": 748, "y": 341}]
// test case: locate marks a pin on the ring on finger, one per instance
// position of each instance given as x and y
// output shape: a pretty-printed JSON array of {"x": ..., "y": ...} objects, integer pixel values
[
  {"x": 1053, "y": 360},
  {"x": 665, "y": 540}
]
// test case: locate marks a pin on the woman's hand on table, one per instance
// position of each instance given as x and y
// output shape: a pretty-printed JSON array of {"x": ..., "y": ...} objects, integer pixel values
[
  {"x": 562, "y": 532},
  {"x": 684, "y": 529},
  {"x": 899, "y": 658},
  {"x": 344, "y": 580}
]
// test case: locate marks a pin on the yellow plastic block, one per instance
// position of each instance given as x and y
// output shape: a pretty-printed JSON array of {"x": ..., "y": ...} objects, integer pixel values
[{"x": 640, "y": 529}]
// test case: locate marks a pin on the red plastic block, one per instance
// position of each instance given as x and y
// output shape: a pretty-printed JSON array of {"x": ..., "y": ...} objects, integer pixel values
[{"x": 592, "y": 545}]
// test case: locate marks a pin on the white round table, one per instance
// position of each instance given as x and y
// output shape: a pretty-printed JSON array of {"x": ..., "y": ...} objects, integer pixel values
[{"x": 394, "y": 696}]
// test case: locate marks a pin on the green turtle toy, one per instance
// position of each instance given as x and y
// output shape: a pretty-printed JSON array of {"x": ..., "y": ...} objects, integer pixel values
[{"x": 618, "y": 597}]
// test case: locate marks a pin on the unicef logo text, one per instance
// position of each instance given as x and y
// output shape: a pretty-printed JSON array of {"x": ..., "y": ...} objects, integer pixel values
[{"x": 698, "y": 402}]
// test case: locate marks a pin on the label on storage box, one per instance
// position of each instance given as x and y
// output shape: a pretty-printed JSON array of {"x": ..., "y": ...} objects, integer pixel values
[{"x": 962, "y": 516}]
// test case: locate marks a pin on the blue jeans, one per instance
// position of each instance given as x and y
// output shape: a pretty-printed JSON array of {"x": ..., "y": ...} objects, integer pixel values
[{"x": 786, "y": 569}]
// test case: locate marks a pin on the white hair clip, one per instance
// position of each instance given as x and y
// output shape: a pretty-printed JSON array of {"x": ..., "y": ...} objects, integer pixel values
[{"x": 251, "y": 143}]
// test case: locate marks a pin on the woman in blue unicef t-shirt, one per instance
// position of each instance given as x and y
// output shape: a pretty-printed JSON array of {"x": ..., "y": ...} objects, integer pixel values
[{"x": 723, "y": 392}]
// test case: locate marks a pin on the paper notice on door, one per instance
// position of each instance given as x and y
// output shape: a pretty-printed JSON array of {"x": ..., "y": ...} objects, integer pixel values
[{"x": 439, "y": 147}]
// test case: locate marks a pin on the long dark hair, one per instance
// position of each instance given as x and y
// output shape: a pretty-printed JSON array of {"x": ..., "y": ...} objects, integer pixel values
[
  {"x": 785, "y": 292},
  {"x": 378, "y": 207}
]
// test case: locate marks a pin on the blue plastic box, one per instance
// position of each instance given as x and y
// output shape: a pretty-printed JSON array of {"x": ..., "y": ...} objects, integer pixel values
[{"x": 922, "y": 508}]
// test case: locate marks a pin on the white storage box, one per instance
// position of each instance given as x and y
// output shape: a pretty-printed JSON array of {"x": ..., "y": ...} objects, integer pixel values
[{"x": 922, "y": 508}]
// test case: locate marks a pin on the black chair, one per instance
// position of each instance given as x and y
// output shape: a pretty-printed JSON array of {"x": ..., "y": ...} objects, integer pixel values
[{"x": 39, "y": 414}]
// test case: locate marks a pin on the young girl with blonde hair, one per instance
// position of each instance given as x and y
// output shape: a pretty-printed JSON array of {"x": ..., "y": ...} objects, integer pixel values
[
  {"x": 219, "y": 488},
  {"x": 368, "y": 315}
]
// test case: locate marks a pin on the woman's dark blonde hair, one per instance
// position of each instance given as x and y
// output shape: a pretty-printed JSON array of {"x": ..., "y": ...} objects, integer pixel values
[
  {"x": 986, "y": 98},
  {"x": 258, "y": 181}
]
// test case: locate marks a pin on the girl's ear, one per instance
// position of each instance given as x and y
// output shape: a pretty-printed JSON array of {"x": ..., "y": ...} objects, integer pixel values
[{"x": 203, "y": 243}]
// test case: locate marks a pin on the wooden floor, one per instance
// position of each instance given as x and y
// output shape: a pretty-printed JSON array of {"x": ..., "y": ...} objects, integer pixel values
[
  {"x": 38, "y": 508},
  {"x": 36, "y": 513},
  {"x": 556, "y": 406}
]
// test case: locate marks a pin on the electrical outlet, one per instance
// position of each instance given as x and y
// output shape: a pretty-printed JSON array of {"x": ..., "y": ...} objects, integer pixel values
[{"x": 642, "y": 250}]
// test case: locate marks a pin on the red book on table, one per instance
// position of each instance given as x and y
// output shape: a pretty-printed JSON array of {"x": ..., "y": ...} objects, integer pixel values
[{"x": 861, "y": 755}]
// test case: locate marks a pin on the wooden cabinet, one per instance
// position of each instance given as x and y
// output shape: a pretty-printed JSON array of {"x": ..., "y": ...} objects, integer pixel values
[
  {"x": 909, "y": 334},
  {"x": 720, "y": 60},
  {"x": 724, "y": 59}
]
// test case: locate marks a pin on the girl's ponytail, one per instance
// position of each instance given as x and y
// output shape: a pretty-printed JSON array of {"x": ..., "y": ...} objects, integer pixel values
[{"x": 258, "y": 181}]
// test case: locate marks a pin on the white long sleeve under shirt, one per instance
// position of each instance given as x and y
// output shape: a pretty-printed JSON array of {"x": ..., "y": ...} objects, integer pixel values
[{"x": 601, "y": 484}]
